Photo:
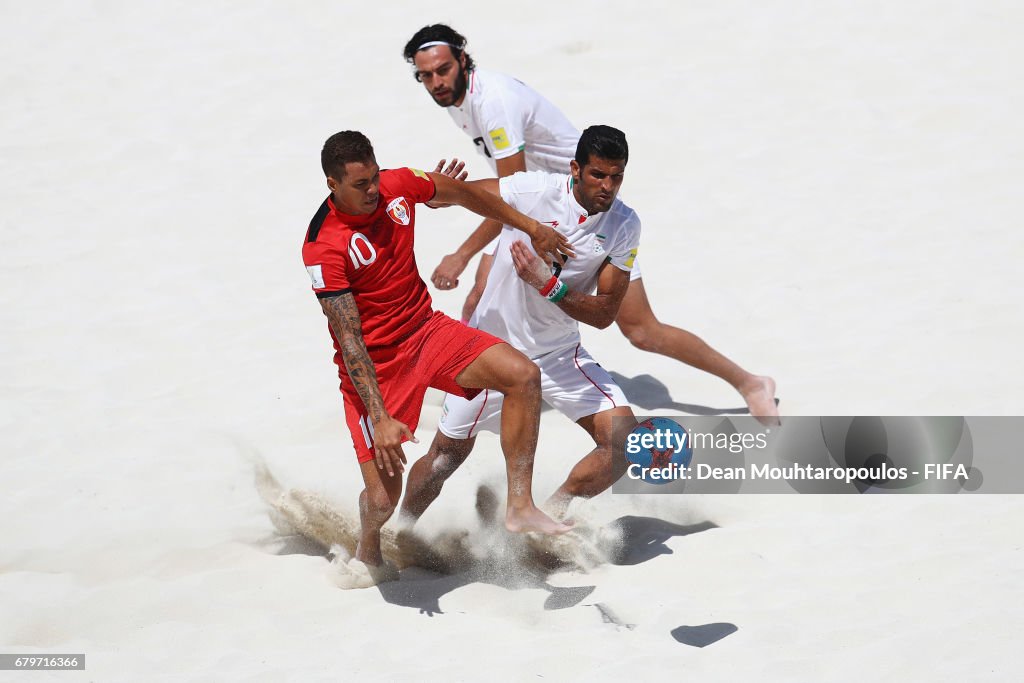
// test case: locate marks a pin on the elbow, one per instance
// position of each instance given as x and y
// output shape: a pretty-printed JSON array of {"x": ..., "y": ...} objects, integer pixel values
[{"x": 607, "y": 313}]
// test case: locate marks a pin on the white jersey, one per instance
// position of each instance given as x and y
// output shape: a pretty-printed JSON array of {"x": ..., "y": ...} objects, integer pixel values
[
  {"x": 504, "y": 116},
  {"x": 515, "y": 311}
]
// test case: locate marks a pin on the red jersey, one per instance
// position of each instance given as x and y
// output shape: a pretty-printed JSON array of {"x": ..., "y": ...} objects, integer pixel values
[{"x": 372, "y": 257}]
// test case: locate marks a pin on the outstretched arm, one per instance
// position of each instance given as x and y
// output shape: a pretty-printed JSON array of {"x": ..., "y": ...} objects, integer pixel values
[
  {"x": 446, "y": 275},
  {"x": 388, "y": 433},
  {"x": 455, "y": 170},
  {"x": 599, "y": 310},
  {"x": 476, "y": 197}
]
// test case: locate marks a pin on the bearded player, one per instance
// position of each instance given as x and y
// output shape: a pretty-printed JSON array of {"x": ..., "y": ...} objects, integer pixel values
[{"x": 517, "y": 129}]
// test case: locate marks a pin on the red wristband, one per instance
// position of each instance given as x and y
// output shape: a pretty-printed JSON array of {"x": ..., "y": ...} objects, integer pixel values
[{"x": 546, "y": 289}]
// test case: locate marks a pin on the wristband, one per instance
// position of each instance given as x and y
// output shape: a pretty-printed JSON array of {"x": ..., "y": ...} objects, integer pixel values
[
  {"x": 558, "y": 293},
  {"x": 549, "y": 286}
]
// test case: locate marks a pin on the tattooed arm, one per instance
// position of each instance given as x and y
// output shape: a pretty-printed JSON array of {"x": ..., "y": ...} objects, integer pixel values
[{"x": 388, "y": 433}]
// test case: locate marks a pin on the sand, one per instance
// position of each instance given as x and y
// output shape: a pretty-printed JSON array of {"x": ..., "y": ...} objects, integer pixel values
[{"x": 830, "y": 195}]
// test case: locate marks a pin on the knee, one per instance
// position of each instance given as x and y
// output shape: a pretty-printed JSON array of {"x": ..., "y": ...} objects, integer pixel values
[
  {"x": 512, "y": 373},
  {"x": 441, "y": 465},
  {"x": 642, "y": 336},
  {"x": 525, "y": 376},
  {"x": 446, "y": 464},
  {"x": 444, "y": 456}
]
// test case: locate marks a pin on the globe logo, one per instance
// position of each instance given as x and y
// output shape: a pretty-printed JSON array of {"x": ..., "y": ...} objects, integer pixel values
[{"x": 658, "y": 449}]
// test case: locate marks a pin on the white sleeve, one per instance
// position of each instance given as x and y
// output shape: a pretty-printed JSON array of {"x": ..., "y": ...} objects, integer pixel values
[
  {"x": 523, "y": 190},
  {"x": 624, "y": 251},
  {"x": 502, "y": 120}
]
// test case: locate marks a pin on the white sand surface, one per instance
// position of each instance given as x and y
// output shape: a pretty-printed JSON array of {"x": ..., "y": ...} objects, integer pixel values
[{"x": 831, "y": 194}]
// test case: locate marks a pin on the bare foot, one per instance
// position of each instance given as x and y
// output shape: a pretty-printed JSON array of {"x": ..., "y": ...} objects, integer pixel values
[
  {"x": 532, "y": 519},
  {"x": 759, "y": 393}
]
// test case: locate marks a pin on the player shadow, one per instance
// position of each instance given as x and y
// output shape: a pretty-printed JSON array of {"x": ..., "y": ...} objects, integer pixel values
[
  {"x": 649, "y": 393},
  {"x": 643, "y": 538},
  {"x": 704, "y": 634},
  {"x": 422, "y": 589}
]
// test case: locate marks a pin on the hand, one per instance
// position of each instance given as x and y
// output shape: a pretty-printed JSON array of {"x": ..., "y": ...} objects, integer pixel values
[
  {"x": 454, "y": 169},
  {"x": 550, "y": 244},
  {"x": 388, "y": 434},
  {"x": 446, "y": 275},
  {"x": 530, "y": 269}
]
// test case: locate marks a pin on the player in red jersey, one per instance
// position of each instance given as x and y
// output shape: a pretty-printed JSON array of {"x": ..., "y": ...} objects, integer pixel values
[{"x": 390, "y": 345}]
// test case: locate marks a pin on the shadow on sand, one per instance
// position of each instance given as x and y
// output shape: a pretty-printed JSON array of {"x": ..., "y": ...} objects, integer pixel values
[
  {"x": 641, "y": 539},
  {"x": 422, "y": 584},
  {"x": 422, "y": 589},
  {"x": 703, "y": 635},
  {"x": 651, "y": 394},
  {"x": 309, "y": 524}
]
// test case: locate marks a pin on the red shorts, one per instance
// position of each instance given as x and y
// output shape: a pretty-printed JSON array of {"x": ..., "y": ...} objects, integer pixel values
[{"x": 432, "y": 357}]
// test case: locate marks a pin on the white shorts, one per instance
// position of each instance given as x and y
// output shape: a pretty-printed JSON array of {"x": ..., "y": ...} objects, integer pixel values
[{"x": 571, "y": 382}]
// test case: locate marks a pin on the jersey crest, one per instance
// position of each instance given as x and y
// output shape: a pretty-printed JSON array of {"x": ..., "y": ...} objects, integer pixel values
[{"x": 398, "y": 210}]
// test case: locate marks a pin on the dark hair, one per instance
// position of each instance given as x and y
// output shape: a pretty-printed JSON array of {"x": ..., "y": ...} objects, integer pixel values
[
  {"x": 446, "y": 34},
  {"x": 602, "y": 141},
  {"x": 343, "y": 147}
]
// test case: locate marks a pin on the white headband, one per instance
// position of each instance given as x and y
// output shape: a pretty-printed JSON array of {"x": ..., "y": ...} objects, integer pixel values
[{"x": 432, "y": 43}]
